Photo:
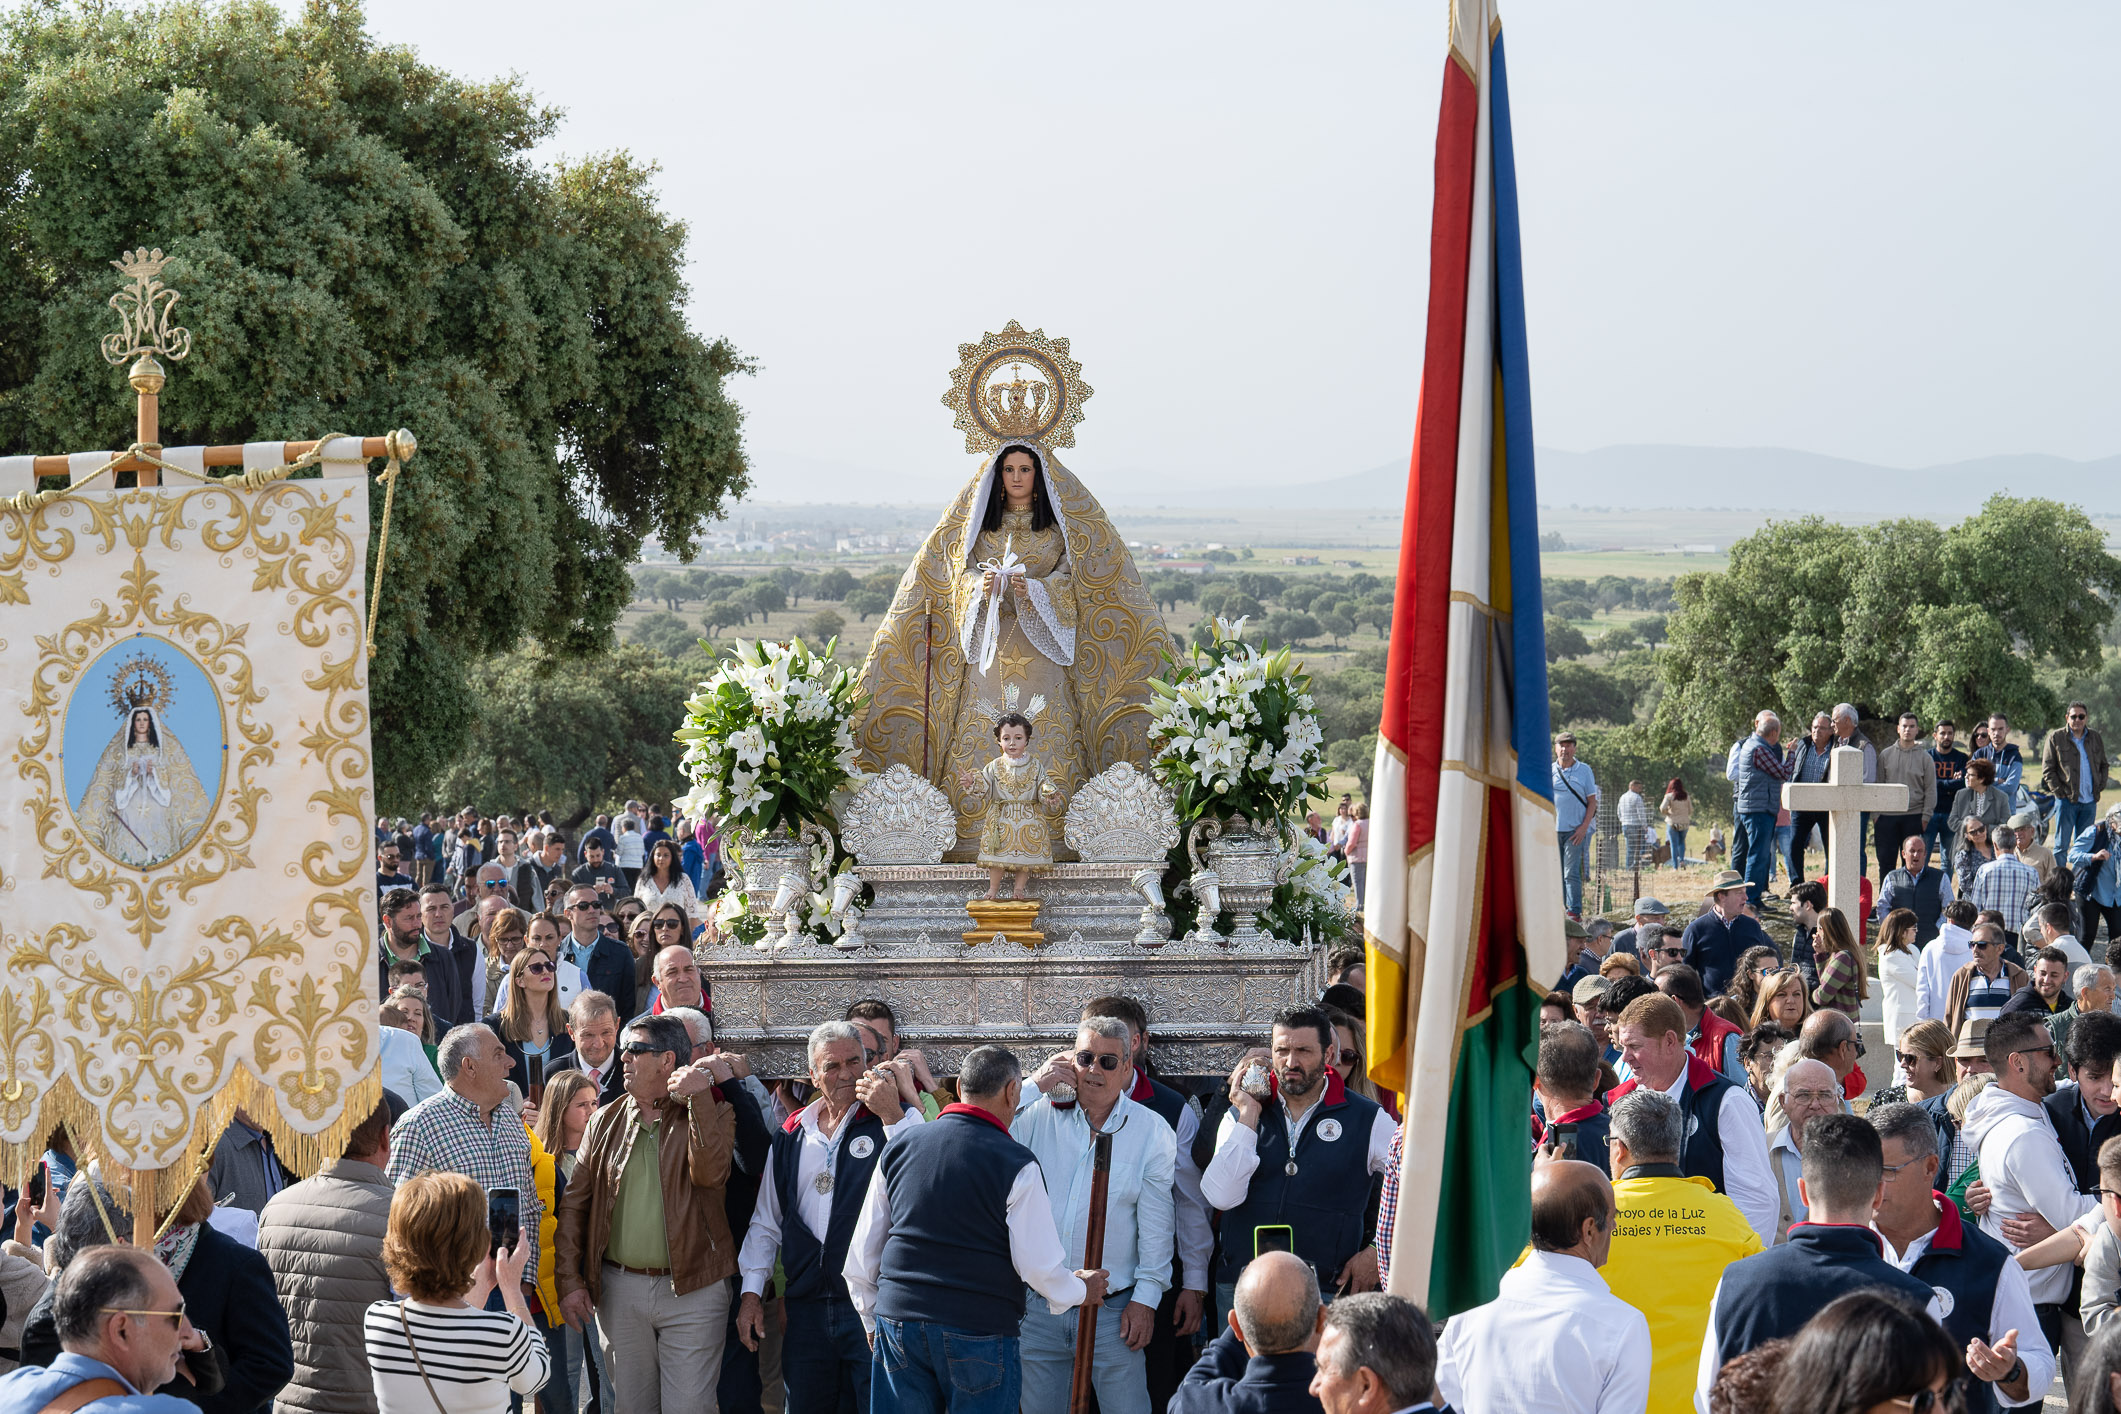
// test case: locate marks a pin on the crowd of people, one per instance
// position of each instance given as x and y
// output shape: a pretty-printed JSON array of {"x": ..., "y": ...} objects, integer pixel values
[
  {"x": 571, "y": 1198},
  {"x": 1750, "y": 1187}
]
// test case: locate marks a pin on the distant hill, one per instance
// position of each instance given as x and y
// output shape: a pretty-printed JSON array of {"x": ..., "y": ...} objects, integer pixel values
[{"x": 1741, "y": 478}]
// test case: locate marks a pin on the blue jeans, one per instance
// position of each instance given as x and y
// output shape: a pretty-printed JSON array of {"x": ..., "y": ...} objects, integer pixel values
[
  {"x": 825, "y": 1359},
  {"x": 1759, "y": 851},
  {"x": 2072, "y": 819},
  {"x": 1572, "y": 856},
  {"x": 558, "y": 1393},
  {"x": 1119, "y": 1375},
  {"x": 1676, "y": 838},
  {"x": 919, "y": 1367}
]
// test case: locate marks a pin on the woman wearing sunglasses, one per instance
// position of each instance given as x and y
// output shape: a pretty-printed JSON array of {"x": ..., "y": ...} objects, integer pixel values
[
  {"x": 1870, "y": 1352},
  {"x": 531, "y": 1023}
]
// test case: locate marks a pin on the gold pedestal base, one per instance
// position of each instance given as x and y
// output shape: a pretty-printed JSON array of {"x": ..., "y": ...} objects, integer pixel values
[{"x": 1015, "y": 919}]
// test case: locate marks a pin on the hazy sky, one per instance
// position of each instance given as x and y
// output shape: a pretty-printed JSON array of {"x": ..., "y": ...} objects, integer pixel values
[{"x": 1882, "y": 231}]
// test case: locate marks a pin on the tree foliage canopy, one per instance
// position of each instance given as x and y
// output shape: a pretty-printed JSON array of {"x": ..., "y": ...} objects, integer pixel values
[
  {"x": 1902, "y": 615},
  {"x": 602, "y": 728},
  {"x": 363, "y": 242}
]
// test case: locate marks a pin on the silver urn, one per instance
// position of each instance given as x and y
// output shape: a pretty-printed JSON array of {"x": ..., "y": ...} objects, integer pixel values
[{"x": 1247, "y": 862}]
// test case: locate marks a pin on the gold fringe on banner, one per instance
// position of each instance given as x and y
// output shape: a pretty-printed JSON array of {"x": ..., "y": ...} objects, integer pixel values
[{"x": 302, "y": 1153}]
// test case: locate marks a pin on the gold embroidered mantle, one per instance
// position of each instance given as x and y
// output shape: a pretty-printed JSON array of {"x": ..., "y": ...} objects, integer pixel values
[
  {"x": 1119, "y": 645},
  {"x": 168, "y": 962}
]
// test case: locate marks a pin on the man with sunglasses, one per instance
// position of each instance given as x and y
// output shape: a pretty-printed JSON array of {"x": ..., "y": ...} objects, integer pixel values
[
  {"x": 1079, "y": 1093},
  {"x": 644, "y": 1245},
  {"x": 122, "y": 1332},
  {"x": 1981, "y": 989},
  {"x": 2074, "y": 770},
  {"x": 1991, "y": 1314},
  {"x": 2023, "y": 1165},
  {"x": 390, "y": 869},
  {"x": 604, "y": 962}
]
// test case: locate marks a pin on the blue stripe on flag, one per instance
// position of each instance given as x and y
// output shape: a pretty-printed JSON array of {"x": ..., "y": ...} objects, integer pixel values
[{"x": 1529, "y": 723}]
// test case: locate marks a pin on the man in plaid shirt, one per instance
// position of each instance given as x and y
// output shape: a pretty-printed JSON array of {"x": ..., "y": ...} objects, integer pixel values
[
  {"x": 469, "y": 1128},
  {"x": 2006, "y": 883}
]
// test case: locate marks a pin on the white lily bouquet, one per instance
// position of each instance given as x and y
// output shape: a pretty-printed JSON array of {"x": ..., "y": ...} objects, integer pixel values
[
  {"x": 768, "y": 746},
  {"x": 1317, "y": 901},
  {"x": 1235, "y": 731}
]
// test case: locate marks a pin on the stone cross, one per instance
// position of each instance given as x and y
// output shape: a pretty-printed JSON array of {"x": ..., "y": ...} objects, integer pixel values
[{"x": 1844, "y": 797}]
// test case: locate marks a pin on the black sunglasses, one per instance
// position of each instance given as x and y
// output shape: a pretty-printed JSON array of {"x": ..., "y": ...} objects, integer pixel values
[
  {"x": 643, "y": 1048},
  {"x": 578, "y": 907},
  {"x": 543, "y": 969},
  {"x": 668, "y": 923},
  {"x": 1086, "y": 1059}
]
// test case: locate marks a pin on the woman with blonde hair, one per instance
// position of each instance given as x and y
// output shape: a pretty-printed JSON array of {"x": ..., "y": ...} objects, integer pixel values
[
  {"x": 435, "y": 1252},
  {"x": 1924, "y": 1056},
  {"x": 1844, "y": 980},
  {"x": 1782, "y": 999},
  {"x": 1617, "y": 965},
  {"x": 531, "y": 1023}
]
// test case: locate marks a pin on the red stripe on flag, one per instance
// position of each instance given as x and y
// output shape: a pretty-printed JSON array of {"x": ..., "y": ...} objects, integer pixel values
[
  {"x": 1495, "y": 944},
  {"x": 1413, "y": 706}
]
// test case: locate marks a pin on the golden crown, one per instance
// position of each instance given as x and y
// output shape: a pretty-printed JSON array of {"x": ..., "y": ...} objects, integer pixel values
[
  {"x": 1016, "y": 385},
  {"x": 141, "y": 682}
]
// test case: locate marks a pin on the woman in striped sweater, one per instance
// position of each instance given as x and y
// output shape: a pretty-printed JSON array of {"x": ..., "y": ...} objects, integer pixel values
[{"x": 440, "y": 1351}]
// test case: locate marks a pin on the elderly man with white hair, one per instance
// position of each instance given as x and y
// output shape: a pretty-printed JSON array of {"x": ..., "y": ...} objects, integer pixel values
[
  {"x": 817, "y": 1175},
  {"x": 1846, "y": 733},
  {"x": 1809, "y": 1090},
  {"x": 2092, "y": 986},
  {"x": 1079, "y": 1093}
]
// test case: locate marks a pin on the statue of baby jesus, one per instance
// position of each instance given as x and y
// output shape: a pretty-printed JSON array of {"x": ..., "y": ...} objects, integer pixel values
[{"x": 1014, "y": 796}]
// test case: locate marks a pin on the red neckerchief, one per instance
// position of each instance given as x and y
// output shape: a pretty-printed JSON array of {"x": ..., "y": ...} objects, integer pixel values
[
  {"x": 973, "y": 1111},
  {"x": 1575, "y": 1116},
  {"x": 1950, "y": 1233}
]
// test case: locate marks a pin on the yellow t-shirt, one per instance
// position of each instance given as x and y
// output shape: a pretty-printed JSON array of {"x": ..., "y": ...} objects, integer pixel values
[{"x": 1671, "y": 1242}]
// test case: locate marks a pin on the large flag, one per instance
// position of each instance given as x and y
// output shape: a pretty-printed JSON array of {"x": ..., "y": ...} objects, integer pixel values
[{"x": 1463, "y": 919}]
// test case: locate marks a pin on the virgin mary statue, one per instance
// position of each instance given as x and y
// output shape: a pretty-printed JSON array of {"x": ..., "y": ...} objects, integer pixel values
[
  {"x": 144, "y": 803},
  {"x": 1023, "y": 599}
]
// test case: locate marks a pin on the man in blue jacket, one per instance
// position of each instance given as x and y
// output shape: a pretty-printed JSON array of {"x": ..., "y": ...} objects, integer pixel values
[
  {"x": 123, "y": 1333},
  {"x": 1756, "y": 792},
  {"x": 1266, "y": 1361}
]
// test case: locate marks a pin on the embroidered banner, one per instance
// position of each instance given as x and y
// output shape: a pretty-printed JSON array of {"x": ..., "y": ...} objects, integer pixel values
[{"x": 187, "y": 881}]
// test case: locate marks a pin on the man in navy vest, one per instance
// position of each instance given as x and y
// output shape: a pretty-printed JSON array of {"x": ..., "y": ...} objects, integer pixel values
[
  {"x": 1916, "y": 886},
  {"x": 956, "y": 1223},
  {"x": 1768, "y": 1296},
  {"x": 816, "y": 1177},
  {"x": 1726, "y": 1143},
  {"x": 1079, "y": 1093},
  {"x": 1294, "y": 1156},
  {"x": 1988, "y": 1304},
  {"x": 1172, "y": 1350}
]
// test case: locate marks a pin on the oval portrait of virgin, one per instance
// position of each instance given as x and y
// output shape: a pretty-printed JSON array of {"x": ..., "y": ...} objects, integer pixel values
[{"x": 143, "y": 751}]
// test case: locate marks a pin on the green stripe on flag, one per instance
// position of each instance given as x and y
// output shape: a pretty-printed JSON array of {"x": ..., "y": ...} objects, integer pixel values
[{"x": 1484, "y": 1200}]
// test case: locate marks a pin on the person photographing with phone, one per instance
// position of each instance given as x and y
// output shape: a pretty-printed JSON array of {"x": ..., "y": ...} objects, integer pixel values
[
  {"x": 1294, "y": 1159},
  {"x": 444, "y": 1252}
]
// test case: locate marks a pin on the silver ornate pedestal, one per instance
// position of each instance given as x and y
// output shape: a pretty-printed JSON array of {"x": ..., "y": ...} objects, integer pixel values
[{"x": 1102, "y": 916}]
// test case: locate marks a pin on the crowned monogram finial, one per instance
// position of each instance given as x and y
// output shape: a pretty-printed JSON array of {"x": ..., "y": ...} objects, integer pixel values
[{"x": 144, "y": 309}]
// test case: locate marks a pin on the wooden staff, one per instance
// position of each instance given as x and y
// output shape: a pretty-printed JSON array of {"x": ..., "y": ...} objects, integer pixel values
[{"x": 1093, "y": 1258}]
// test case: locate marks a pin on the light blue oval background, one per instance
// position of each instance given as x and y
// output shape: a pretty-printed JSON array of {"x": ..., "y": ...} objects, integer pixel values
[{"x": 194, "y": 717}]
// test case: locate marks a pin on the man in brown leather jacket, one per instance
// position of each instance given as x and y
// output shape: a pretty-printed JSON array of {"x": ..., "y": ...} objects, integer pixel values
[{"x": 643, "y": 1242}]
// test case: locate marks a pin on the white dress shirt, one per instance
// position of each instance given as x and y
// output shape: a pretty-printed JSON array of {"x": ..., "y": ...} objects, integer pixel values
[
  {"x": 1228, "y": 1176},
  {"x": 1196, "y": 1238},
  {"x": 1747, "y": 1179},
  {"x": 1788, "y": 1168},
  {"x": 1034, "y": 1245},
  {"x": 1554, "y": 1340},
  {"x": 2011, "y": 1310},
  {"x": 819, "y": 1153},
  {"x": 1140, "y": 1215}
]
